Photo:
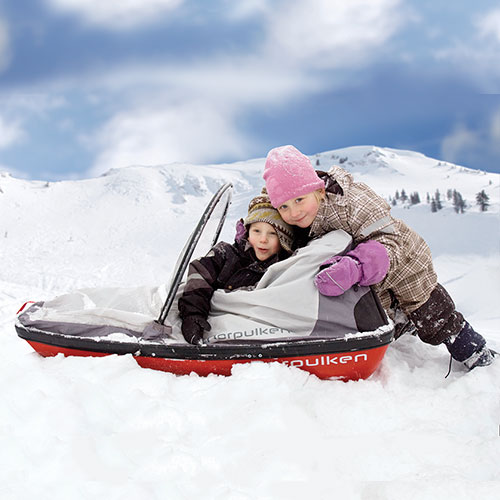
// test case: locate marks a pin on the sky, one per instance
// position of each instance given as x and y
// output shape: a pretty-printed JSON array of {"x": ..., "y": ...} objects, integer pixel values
[{"x": 87, "y": 85}]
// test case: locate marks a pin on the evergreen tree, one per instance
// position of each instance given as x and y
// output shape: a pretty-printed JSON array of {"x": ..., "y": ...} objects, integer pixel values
[
  {"x": 458, "y": 202},
  {"x": 433, "y": 205},
  {"x": 397, "y": 195},
  {"x": 428, "y": 198},
  {"x": 414, "y": 198},
  {"x": 483, "y": 200},
  {"x": 437, "y": 198},
  {"x": 449, "y": 194},
  {"x": 403, "y": 196}
]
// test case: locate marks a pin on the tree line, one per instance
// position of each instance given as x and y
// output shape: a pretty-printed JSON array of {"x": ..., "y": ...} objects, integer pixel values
[{"x": 435, "y": 201}]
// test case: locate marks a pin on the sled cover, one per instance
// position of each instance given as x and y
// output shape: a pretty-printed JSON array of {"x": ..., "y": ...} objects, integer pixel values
[{"x": 285, "y": 304}]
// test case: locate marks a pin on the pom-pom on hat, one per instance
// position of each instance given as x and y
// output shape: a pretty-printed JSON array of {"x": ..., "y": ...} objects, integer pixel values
[
  {"x": 261, "y": 210},
  {"x": 289, "y": 174}
]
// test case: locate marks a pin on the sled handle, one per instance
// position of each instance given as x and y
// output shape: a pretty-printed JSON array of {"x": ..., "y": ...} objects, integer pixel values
[{"x": 193, "y": 241}]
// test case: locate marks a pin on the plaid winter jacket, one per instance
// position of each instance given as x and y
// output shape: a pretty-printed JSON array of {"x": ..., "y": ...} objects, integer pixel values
[
  {"x": 227, "y": 266},
  {"x": 355, "y": 208}
]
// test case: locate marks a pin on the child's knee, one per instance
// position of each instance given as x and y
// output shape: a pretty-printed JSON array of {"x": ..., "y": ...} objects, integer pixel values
[{"x": 437, "y": 319}]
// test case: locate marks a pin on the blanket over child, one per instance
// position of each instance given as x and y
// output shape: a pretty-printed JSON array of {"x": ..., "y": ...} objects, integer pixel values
[{"x": 284, "y": 305}]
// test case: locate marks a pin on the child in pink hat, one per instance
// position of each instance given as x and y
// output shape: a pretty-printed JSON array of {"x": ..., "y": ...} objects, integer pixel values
[{"x": 388, "y": 254}]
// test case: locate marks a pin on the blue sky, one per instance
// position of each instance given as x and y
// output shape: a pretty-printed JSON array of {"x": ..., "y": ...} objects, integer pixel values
[{"x": 89, "y": 85}]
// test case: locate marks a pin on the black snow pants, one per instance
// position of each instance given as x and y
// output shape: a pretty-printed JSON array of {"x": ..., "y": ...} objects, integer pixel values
[{"x": 437, "y": 319}]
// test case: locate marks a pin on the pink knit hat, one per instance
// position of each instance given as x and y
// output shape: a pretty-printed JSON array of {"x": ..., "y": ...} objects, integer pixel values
[{"x": 289, "y": 174}]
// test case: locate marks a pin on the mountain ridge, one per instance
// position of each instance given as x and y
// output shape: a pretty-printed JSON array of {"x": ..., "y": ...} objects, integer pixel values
[{"x": 138, "y": 218}]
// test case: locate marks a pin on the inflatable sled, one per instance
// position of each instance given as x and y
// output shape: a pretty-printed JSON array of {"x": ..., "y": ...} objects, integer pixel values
[{"x": 283, "y": 318}]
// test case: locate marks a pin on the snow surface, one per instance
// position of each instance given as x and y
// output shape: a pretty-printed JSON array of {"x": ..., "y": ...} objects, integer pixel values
[{"x": 87, "y": 428}]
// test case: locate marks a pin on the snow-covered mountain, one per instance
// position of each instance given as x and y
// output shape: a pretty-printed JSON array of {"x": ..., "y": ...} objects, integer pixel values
[
  {"x": 105, "y": 428},
  {"x": 137, "y": 218},
  {"x": 387, "y": 170}
]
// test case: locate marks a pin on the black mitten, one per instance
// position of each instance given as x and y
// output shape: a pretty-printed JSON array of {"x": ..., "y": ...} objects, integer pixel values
[{"x": 193, "y": 327}]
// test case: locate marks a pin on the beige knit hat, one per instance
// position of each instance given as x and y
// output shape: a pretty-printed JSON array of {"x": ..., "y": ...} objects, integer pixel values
[{"x": 261, "y": 210}]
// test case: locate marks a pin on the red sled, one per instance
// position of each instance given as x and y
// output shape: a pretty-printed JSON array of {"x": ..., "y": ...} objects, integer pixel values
[{"x": 344, "y": 359}]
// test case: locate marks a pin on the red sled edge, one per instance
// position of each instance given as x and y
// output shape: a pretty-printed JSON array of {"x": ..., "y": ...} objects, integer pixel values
[{"x": 354, "y": 365}]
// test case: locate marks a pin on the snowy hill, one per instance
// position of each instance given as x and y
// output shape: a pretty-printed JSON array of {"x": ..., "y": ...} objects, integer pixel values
[
  {"x": 93, "y": 428},
  {"x": 95, "y": 228},
  {"x": 136, "y": 218},
  {"x": 387, "y": 170}
]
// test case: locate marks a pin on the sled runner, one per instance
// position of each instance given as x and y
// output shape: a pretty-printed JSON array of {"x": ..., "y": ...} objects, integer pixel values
[{"x": 282, "y": 319}]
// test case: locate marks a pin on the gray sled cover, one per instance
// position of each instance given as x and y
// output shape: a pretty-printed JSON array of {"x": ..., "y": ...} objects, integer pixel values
[{"x": 284, "y": 305}]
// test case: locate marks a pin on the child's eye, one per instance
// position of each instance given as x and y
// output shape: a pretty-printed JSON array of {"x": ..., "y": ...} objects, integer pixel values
[
  {"x": 283, "y": 207},
  {"x": 298, "y": 200}
]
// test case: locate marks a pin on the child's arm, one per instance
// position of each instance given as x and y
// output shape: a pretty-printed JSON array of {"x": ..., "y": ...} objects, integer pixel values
[
  {"x": 367, "y": 265},
  {"x": 194, "y": 304}
]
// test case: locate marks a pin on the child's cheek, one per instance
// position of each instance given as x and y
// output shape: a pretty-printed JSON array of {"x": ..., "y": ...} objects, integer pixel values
[{"x": 285, "y": 217}]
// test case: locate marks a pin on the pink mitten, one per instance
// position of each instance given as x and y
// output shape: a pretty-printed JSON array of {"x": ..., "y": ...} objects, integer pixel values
[
  {"x": 240, "y": 231},
  {"x": 341, "y": 275},
  {"x": 374, "y": 261},
  {"x": 367, "y": 265}
]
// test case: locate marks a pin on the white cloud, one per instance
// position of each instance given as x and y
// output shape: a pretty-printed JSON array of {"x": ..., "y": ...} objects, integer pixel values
[
  {"x": 475, "y": 53},
  {"x": 458, "y": 141},
  {"x": 152, "y": 135},
  {"x": 168, "y": 113},
  {"x": 473, "y": 146},
  {"x": 116, "y": 14},
  {"x": 25, "y": 102},
  {"x": 332, "y": 33},
  {"x": 19, "y": 108},
  {"x": 4, "y": 45},
  {"x": 489, "y": 24},
  {"x": 189, "y": 112},
  {"x": 10, "y": 133},
  {"x": 243, "y": 9},
  {"x": 231, "y": 82}
]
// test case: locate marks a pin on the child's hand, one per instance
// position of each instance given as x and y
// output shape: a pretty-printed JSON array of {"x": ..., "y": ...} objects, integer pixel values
[
  {"x": 343, "y": 272},
  {"x": 367, "y": 265},
  {"x": 374, "y": 260},
  {"x": 240, "y": 231},
  {"x": 193, "y": 327}
]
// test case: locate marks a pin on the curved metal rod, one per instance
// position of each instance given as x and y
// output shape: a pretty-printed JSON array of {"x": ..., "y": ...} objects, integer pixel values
[{"x": 193, "y": 241}]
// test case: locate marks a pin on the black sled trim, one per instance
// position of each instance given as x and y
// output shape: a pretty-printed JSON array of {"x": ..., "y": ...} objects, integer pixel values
[{"x": 221, "y": 351}]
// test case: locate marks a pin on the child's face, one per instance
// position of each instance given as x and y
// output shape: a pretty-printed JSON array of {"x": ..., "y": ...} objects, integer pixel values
[
  {"x": 264, "y": 240},
  {"x": 300, "y": 211}
]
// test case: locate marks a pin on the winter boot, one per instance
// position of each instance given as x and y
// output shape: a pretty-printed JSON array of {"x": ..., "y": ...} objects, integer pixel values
[{"x": 470, "y": 348}]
